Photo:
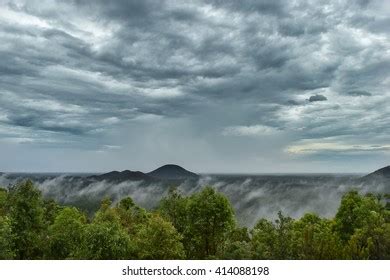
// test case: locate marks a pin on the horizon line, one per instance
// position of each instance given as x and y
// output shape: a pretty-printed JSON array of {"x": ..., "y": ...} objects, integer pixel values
[{"x": 199, "y": 173}]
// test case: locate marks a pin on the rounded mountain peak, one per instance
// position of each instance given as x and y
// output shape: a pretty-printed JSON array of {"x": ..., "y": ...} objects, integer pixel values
[{"x": 172, "y": 171}]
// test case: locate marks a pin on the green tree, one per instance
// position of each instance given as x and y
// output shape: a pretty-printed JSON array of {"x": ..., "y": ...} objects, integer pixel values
[
  {"x": 51, "y": 209},
  {"x": 387, "y": 202},
  {"x": 264, "y": 240},
  {"x": 131, "y": 216},
  {"x": 66, "y": 234},
  {"x": 174, "y": 207},
  {"x": 284, "y": 226},
  {"x": 372, "y": 241},
  {"x": 105, "y": 238},
  {"x": 210, "y": 221},
  {"x": 3, "y": 201},
  {"x": 236, "y": 250},
  {"x": 313, "y": 238},
  {"x": 26, "y": 213},
  {"x": 273, "y": 240},
  {"x": 159, "y": 240},
  {"x": 237, "y": 246},
  {"x": 106, "y": 213},
  {"x": 354, "y": 213},
  {"x": 6, "y": 239},
  {"x": 362, "y": 224}
]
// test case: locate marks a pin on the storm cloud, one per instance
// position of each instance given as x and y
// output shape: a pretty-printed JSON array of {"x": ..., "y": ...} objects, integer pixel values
[
  {"x": 317, "y": 97},
  {"x": 216, "y": 86}
]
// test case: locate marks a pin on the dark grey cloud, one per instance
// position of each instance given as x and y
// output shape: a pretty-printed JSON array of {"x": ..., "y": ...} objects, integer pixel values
[
  {"x": 293, "y": 103},
  {"x": 277, "y": 7},
  {"x": 171, "y": 77},
  {"x": 359, "y": 93},
  {"x": 317, "y": 97}
]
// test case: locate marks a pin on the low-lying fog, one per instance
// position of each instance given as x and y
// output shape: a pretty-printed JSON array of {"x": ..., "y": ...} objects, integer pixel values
[{"x": 252, "y": 196}]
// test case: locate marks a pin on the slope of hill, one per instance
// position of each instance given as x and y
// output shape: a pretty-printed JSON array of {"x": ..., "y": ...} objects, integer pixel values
[
  {"x": 172, "y": 172},
  {"x": 116, "y": 176},
  {"x": 166, "y": 172},
  {"x": 383, "y": 173}
]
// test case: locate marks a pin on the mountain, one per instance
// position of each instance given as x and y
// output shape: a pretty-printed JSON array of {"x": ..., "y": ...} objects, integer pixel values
[
  {"x": 172, "y": 172},
  {"x": 116, "y": 176},
  {"x": 383, "y": 173},
  {"x": 166, "y": 172}
]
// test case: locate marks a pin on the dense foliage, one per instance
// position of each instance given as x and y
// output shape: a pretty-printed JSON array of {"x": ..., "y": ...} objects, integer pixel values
[{"x": 199, "y": 226}]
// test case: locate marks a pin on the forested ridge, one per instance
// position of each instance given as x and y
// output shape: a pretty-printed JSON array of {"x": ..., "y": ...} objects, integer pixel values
[{"x": 198, "y": 226}]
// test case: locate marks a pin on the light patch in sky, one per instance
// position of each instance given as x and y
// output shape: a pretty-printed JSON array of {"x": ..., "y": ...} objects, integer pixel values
[
  {"x": 309, "y": 147},
  {"x": 252, "y": 130}
]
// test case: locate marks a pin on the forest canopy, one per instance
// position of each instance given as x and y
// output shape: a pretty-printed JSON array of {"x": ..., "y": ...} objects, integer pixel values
[{"x": 198, "y": 226}]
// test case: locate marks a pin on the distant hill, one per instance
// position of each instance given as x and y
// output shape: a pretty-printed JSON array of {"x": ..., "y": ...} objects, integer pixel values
[
  {"x": 172, "y": 172},
  {"x": 169, "y": 173},
  {"x": 116, "y": 176},
  {"x": 166, "y": 172},
  {"x": 383, "y": 173}
]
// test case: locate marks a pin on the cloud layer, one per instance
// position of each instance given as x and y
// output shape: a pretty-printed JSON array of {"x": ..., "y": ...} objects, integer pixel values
[{"x": 134, "y": 84}]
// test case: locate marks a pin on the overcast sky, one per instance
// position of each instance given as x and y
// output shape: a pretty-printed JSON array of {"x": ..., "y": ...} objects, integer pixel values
[{"x": 215, "y": 86}]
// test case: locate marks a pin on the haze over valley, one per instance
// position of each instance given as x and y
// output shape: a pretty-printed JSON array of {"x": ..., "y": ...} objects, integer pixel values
[{"x": 252, "y": 196}]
